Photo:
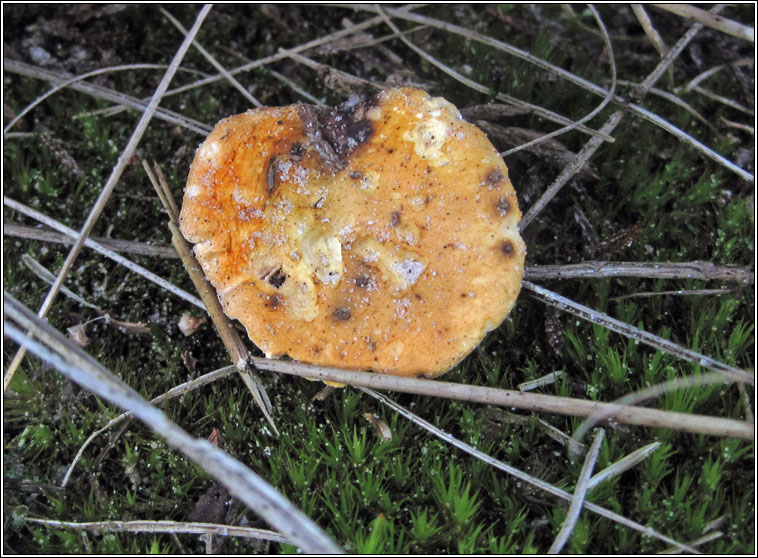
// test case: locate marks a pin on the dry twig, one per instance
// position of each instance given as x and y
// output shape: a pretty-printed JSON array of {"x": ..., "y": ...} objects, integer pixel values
[
  {"x": 110, "y": 184},
  {"x": 55, "y": 349},
  {"x": 231, "y": 339},
  {"x": 174, "y": 392},
  {"x": 577, "y": 500},
  {"x": 540, "y": 484},
  {"x": 165, "y": 527},
  {"x": 516, "y": 399},
  {"x": 729, "y": 372},
  {"x": 728, "y": 26}
]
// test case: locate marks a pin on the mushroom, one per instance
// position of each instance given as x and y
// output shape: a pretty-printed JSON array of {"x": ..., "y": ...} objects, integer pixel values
[{"x": 381, "y": 234}]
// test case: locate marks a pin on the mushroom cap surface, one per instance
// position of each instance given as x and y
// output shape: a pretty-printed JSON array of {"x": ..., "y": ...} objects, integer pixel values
[{"x": 378, "y": 235}]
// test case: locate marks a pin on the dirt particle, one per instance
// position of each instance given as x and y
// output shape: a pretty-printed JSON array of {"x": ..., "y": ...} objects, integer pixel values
[
  {"x": 494, "y": 178},
  {"x": 507, "y": 248},
  {"x": 273, "y": 301},
  {"x": 272, "y": 175},
  {"x": 503, "y": 207},
  {"x": 337, "y": 132},
  {"x": 277, "y": 278},
  {"x": 342, "y": 314}
]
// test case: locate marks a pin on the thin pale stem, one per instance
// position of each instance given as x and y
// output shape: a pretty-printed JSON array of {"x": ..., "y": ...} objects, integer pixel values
[
  {"x": 607, "y": 99},
  {"x": 723, "y": 100},
  {"x": 100, "y": 92},
  {"x": 674, "y": 99},
  {"x": 115, "y": 244},
  {"x": 728, "y": 26},
  {"x": 593, "y": 144},
  {"x": 650, "y": 31},
  {"x": 69, "y": 82},
  {"x": 165, "y": 527},
  {"x": 296, "y": 88},
  {"x": 712, "y": 71},
  {"x": 696, "y": 542},
  {"x": 645, "y": 395},
  {"x": 560, "y": 72},
  {"x": 549, "y": 115},
  {"x": 48, "y": 277},
  {"x": 623, "y": 464},
  {"x": 688, "y": 139},
  {"x": 577, "y": 500},
  {"x": 570, "y": 170},
  {"x": 331, "y": 37},
  {"x": 213, "y": 62},
  {"x": 694, "y": 292},
  {"x": 702, "y": 270}
]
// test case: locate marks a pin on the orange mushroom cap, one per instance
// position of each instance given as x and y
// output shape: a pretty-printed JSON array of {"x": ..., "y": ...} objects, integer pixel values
[{"x": 381, "y": 234}]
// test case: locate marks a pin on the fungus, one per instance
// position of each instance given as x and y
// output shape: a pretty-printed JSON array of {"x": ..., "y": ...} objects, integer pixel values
[{"x": 344, "y": 236}]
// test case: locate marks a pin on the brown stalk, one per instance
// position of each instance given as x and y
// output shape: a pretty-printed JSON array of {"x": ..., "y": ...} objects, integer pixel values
[
  {"x": 641, "y": 416},
  {"x": 651, "y": 270}
]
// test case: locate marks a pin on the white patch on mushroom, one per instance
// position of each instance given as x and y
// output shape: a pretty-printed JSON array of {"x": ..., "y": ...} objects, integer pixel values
[
  {"x": 428, "y": 139},
  {"x": 409, "y": 270},
  {"x": 322, "y": 253},
  {"x": 193, "y": 190},
  {"x": 209, "y": 151}
]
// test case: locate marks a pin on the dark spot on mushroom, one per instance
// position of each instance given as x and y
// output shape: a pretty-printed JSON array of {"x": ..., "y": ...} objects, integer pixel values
[
  {"x": 355, "y": 174},
  {"x": 277, "y": 278},
  {"x": 271, "y": 174},
  {"x": 507, "y": 248},
  {"x": 341, "y": 314},
  {"x": 279, "y": 122},
  {"x": 395, "y": 218},
  {"x": 296, "y": 150},
  {"x": 362, "y": 281},
  {"x": 273, "y": 301},
  {"x": 371, "y": 345},
  {"x": 494, "y": 178},
  {"x": 503, "y": 207}
]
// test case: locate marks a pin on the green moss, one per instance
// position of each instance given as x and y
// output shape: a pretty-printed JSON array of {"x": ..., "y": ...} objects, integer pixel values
[{"x": 412, "y": 493}]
